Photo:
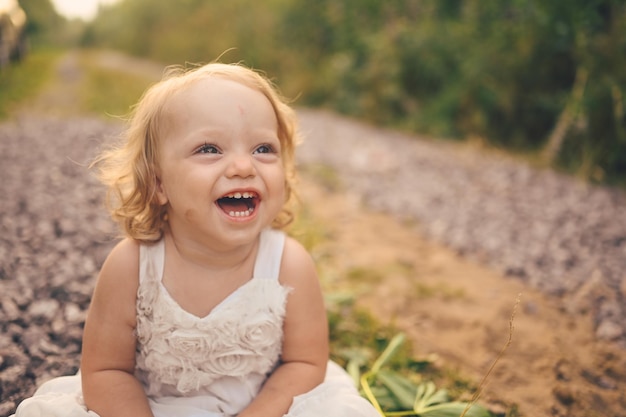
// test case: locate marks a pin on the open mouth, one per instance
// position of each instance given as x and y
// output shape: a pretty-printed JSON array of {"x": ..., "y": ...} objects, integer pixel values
[{"x": 239, "y": 204}]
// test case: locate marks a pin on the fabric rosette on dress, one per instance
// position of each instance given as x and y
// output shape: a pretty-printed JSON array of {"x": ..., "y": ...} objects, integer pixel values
[{"x": 179, "y": 353}]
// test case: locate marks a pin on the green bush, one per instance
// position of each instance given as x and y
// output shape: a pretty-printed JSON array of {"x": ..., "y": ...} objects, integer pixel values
[
  {"x": 21, "y": 81},
  {"x": 502, "y": 71}
]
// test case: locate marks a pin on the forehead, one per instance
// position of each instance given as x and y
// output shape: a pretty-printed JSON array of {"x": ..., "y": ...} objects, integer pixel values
[
  {"x": 213, "y": 100},
  {"x": 218, "y": 91},
  {"x": 213, "y": 96}
]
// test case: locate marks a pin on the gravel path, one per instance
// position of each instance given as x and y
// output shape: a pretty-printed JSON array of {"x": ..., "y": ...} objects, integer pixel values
[
  {"x": 54, "y": 234},
  {"x": 554, "y": 233}
]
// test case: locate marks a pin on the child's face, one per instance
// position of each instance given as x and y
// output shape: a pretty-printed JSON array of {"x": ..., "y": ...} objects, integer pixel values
[{"x": 220, "y": 168}]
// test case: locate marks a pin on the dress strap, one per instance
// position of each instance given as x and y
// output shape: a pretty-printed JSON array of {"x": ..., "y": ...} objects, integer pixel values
[
  {"x": 151, "y": 260},
  {"x": 269, "y": 256}
]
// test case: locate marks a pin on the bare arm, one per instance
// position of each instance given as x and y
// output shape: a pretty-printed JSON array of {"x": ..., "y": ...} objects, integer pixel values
[
  {"x": 305, "y": 344},
  {"x": 108, "y": 359}
]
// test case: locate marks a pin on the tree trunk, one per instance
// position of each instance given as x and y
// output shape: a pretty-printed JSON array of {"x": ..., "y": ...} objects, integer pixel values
[{"x": 566, "y": 118}]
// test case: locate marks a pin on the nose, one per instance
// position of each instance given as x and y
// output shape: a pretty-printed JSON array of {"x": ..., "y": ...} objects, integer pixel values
[{"x": 240, "y": 166}]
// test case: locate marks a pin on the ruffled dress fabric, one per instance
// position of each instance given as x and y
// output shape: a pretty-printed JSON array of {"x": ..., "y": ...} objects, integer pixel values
[{"x": 210, "y": 366}]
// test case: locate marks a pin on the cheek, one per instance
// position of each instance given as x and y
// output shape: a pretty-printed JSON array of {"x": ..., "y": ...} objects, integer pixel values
[
  {"x": 280, "y": 183},
  {"x": 191, "y": 215}
]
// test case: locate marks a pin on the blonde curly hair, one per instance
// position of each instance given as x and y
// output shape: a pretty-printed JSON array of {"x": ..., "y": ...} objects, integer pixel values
[{"x": 128, "y": 168}]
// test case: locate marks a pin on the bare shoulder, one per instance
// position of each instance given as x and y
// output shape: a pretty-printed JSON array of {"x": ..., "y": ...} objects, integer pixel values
[
  {"x": 125, "y": 252},
  {"x": 122, "y": 263},
  {"x": 297, "y": 264},
  {"x": 119, "y": 277}
]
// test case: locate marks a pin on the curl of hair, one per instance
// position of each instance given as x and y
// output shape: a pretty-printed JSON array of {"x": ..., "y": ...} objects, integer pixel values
[{"x": 129, "y": 167}]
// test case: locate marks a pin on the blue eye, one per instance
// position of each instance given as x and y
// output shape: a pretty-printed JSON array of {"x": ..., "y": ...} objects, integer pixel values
[
  {"x": 207, "y": 148},
  {"x": 265, "y": 149}
]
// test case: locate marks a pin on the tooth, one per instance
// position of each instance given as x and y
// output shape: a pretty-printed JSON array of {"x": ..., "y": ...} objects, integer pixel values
[
  {"x": 246, "y": 195},
  {"x": 241, "y": 213},
  {"x": 237, "y": 195}
]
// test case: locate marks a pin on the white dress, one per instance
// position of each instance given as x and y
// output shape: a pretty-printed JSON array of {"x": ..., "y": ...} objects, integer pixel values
[{"x": 210, "y": 366}]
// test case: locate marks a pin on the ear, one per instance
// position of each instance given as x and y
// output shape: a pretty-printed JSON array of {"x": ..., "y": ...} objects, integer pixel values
[{"x": 161, "y": 195}]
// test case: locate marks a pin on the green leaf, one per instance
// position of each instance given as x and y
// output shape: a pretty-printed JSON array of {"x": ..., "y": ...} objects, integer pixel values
[
  {"x": 354, "y": 370},
  {"x": 400, "y": 388},
  {"x": 423, "y": 396},
  {"x": 385, "y": 399},
  {"x": 454, "y": 409},
  {"x": 389, "y": 351},
  {"x": 401, "y": 379},
  {"x": 358, "y": 355},
  {"x": 439, "y": 396},
  {"x": 399, "y": 396}
]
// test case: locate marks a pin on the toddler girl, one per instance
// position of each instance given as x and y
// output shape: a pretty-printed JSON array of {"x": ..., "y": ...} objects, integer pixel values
[{"x": 205, "y": 308}]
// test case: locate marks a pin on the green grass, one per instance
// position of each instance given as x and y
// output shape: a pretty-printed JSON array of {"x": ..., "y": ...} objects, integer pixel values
[
  {"x": 359, "y": 275},
  {"x": 108, "y": 92},
  {"x": 355, "y": 330},
  {"x": 104, "y": 92},
  {"x": 324, "y": 175},
  {"x": 310, "y": 233},
  {"x": 443, "y": 291},
  {"x": 24, "y": 79}
]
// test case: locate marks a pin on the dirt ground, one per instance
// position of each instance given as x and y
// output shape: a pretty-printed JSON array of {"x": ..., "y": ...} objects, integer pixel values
[{"x": 460, "y": 311}]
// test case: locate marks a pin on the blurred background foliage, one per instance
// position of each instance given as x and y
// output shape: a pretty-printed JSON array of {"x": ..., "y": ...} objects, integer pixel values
[{"x": 545, "y": 78}]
